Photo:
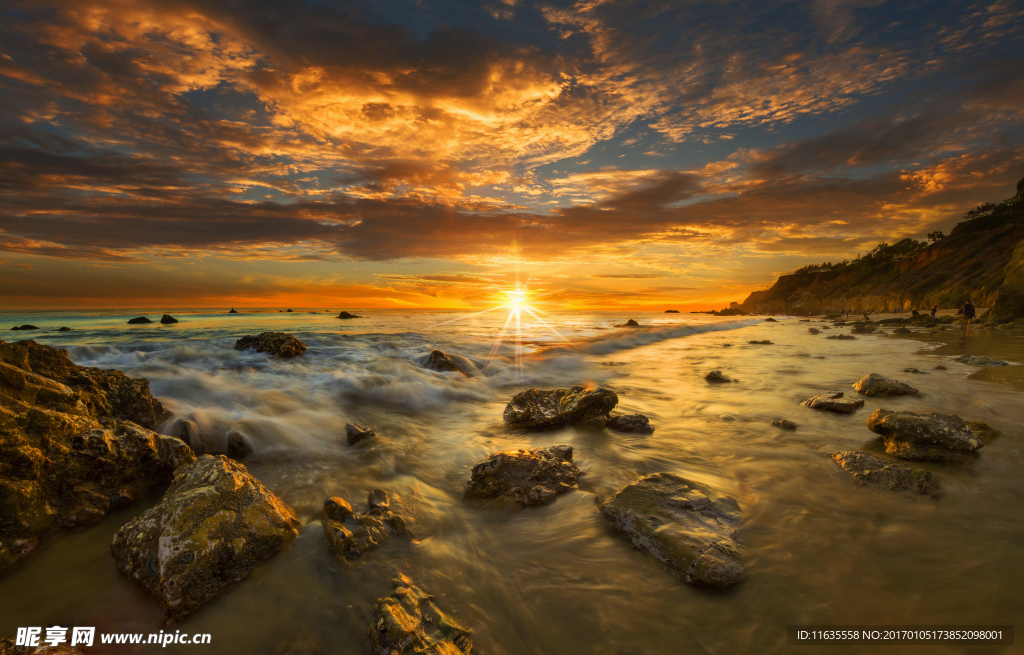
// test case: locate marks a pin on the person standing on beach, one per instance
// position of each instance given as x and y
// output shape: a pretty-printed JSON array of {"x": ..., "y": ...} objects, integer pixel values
[
  {"x": 968, "y": 314},
  {"x": 935, "y": 308}
]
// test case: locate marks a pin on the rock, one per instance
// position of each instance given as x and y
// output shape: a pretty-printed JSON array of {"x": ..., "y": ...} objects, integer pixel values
[
  {"x": 442, "y": 363},
  {"x": 877, "y": 385},
  {"x": 74, "y": 444},
  {"x": 347, "y": 315},
  {"x": 275, "y": 343},
  {"x": 979, "y": 361},
  {"x": 940, "y": 367},
  {"x": 237, "y": 446},
  {"x": 631, "y": 423},
  {"x": 842, "y": 337},
  {"x": 862, "y": 328},
  {"x": 686, "y": 525},
  {"x": 784, "y": 424},
  {"x": 761, "y": 343},
  {"x": 915, "y": 371},
  {"x": 408, "y": 622},
  {"x": 24, "y": 327},
  {"x": 64, "y": 329},
  {"x": 138, "y": 320},
  {"x": 671, "y": 311},
  {"x": 288, "y": 311},
  {"x": 813, "y": 331},
  {"x": 825, "y": 327},
  {"x": 630, "y": 323},
  {"x": 770, "y": 320},
  {"x": 516, "y": 478},
  {"x": 716, "y": 376},
  {"x": 727, "y": 345},
  {"x": 212, "y": 527},
  {"x": 539, "y": 409},
  {"x": 352, "y": 535},
  {"x": 874, "y": 471},
  {"x": 356, "y": 433},
  {"x": 232, "y": 311},
  {"x": 901, "y": 330},
  {"x": 929, "y": 436},
  {"x": 167, "y": 319},
  {"x": 834, "y": 402}
]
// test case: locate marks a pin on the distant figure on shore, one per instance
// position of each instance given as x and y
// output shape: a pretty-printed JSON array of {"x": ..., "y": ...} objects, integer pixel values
[
  {"x": 935, "y": 308},
  {"x": 968, "y": 314}
]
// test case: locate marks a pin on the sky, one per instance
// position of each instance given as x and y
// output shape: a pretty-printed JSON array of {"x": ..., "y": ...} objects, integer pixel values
[{"x": 600, "y": 154}]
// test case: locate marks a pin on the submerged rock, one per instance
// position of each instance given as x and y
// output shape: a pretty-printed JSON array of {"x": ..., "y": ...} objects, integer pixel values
[
  {"x": 408, "y": 622},
  {"x": 516, "y": 478},
  {"x": 716, "y": 376},
  {"x": 167, "y": 319},
  {"x": 274, "y": 343},
  {"x": 878, "y": 385},
  {"x": 785, "y": 424},
  {"x": 351, "y": 535},
  {"x": 631, "y": 423},
  {"x": 834, "y": 402},
  {"x": 929, "y": 436},
  {"x": 842, "y": 337},
  {"x": 442, "y": 363},
  {"x": 212, "y": 527},
  {"x": 347, "y": 315},
  {"x": 356, "y": 433},
  {"x": 540, "y": 409},
  {"x": 74, "y": 444},
  {"x": 813, "y": 331},
  {"x": 873, "y": 471},
  {"x": 24, "y": 327},
  {"x": 974, "y": 360},
  {"x": 685, "y": 524},
  {"x": 940, "y": 367},
  {"x": 64, "y": 329},
  {"x": 138, "y": 320},
  {"x": 761, "y": 343}
]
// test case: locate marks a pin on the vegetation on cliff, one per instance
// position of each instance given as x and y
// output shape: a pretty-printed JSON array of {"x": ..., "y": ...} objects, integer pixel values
[{"x": 975, "y": 261}]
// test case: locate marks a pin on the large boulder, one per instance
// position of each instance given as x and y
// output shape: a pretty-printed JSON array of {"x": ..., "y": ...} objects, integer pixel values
[
  {"x": 442, "y": 363},
  {"x": 167, "y": 319},
  {"x": 516, "y": 478},
  {"x": 717, "y": 376},
  {"x": 346, "y": 315},
  {"x": 834, "y": 402},
  {"x": 631, "y": 423},
  {"x": 878, "y": 385},
  {"x": 274, "y": 343},
  {"x": 351, "y": 535},
  {"x": 869, "y": 470},
  {"x": 212, "y": 527},
  {"x": 408, "y": 622},
  {"x": 540, "y": 409},
  {"x": 685, "y": 524},
  {"x": 929, "y": 436},
  {"x": 75, "y": 444}
]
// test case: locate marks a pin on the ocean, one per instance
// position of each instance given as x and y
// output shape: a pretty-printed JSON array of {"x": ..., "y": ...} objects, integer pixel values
[{"x": 558, "y": 578}]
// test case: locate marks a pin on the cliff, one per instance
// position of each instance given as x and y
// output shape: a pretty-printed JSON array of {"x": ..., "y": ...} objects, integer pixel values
[{"x": 982, "y": 259}]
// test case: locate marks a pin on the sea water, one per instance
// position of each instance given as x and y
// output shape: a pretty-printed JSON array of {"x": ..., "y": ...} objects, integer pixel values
[{"x": 559, "y": 578}]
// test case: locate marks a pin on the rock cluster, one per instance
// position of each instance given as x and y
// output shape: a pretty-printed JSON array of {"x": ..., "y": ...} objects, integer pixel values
[
  {"x": 274, "y": 343},
  {"x": 975, "y": 360},
  {"x": 408, "y": 622},
  {"x": 842, "y": 337},
  {"x": 75, "y": 443},
  {"x": 351, "y": 535},
  {"x": 761, "y": 343},
  {"x": 686, "y": 525},
  {"x": 539, "y": 409},
  {"x": 513, "y": 479},
  {"x": 867, "y": 469},
  {"x": 878, "y": 385},
  {"x": 929, "y": 436},
  {"x": 834, "y": 402},
  {"x": 212, "y": 527}
]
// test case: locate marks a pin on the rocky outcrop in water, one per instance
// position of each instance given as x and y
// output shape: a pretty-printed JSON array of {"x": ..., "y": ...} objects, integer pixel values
[
  {"x": 64, "y": 329},
  {"x": 540, "y": 409},
  {"x": 862, "y": 328},
  {"x": 346, "y": 315},
  {"x": 442, "y": 363},
  {"x": 761, "y": 343},
  {"x": 75, "y": 444},
  {"x": 929, "y": 436},
  {"x": 834, "y": 402},
  {"x": 685, "y": 524},
  {"x": 351, "y": 535},
  {"x": 274, "y": 343},
  {"x": 408, "y": 622},
  {"x": 513, "y": 479},
  {"x": 232, "y": 311},
  {"x": 356, "y": 433},
  {"x": 24, "y": 327},
  {"x": 976, "y": 360},
  {"x": 784, "y": 424},
  {"x": 629, "y": 323},
  {"x": 637, "y": 423},
  {"x": 167, "y": 319},
  {"x": 878, "y": 385},
  {"x": 869, "y": 470},
  {"x": 718, "y": 377},
  {"x": 139, "y": 320},
  {"x": 842, "y": 337},
  {"x": 671, "y": 311},
  {"x": 813, "y": 331},
  {"x": 212, "y": 527}
]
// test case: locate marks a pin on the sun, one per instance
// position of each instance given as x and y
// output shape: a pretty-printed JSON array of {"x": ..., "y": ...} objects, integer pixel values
[{"x": 516, "y": 298}]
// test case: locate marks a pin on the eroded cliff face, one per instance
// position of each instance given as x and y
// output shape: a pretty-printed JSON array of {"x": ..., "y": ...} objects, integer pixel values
[{"x": 1009, "y": 302}]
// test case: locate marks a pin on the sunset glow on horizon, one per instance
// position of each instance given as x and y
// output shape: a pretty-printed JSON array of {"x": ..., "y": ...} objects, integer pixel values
[{"x": 432, "y": 154}]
